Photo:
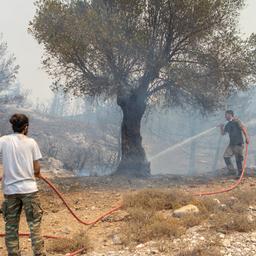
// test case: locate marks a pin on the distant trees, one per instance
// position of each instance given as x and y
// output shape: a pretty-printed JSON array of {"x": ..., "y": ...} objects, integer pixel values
[
  {"x": 8, "y": 72},
  {"x": 145, "y": 52},
  {"x": 10, "y": 89},
  {"x": 57, "y": 104}
]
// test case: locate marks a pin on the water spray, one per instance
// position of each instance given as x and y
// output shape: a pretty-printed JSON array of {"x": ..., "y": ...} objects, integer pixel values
[
  {"x": 177, "y": 145},
  {"x": 182, "y": 143},
  {"x": 120, "y": 206}
]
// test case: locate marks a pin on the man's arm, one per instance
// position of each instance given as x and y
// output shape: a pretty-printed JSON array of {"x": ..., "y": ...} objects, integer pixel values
[
  {"x": 222, "y": 130},
  {"x": 36, "y": 156},
  {"x": 37, "y": 168},
  {"x": 244, "y": 131}
]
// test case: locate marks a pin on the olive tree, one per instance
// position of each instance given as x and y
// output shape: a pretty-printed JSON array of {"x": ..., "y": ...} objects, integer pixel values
[{"x": 145, "y": 52}]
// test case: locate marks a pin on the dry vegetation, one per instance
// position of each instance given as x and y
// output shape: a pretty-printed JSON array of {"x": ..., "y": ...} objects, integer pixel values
[
  {"x": 143, "y": 226},
  {"x": 78, "y": 241},
  {"x": 234, "y": 215},
  {"x": 156, "y": 200},
  {"x": 150, "y": 214},
  {"x": 146, "y": 218}
]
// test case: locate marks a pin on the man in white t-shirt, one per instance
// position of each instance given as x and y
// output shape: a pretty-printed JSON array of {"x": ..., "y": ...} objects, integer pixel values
[{"x": 21, "y": 166}]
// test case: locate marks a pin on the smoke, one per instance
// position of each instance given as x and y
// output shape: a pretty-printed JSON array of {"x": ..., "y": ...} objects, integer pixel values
[
  {"x": 87, "y": 139},
  {"x": 180, "y": 144},
  {"x": 189, "y": 144},
  {"x": 184, "y": 143}
]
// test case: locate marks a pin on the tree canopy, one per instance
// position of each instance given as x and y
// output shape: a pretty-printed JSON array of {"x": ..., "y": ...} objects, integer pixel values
[
  {"x": 144, "y": 52},
  {"x": 8, "y": 72},
  {"x": 177, "y": 48},
  {"x": 8, "y": 68}
]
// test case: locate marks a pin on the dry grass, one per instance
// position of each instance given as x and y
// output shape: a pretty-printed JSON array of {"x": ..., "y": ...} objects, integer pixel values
[
  {"x": 232, "y": 221},
  {"x": 65, "y": 245},
  {"x": 234, "y": 217},
  {"x": 154, "y": 199},
  {"x": 206, "y": 204},
  {"x": 192, "y": 220},
  {"x": 246, "y": 196},
  {"x": 143, "y": 226},
  {"x": 145, "y": 221}
]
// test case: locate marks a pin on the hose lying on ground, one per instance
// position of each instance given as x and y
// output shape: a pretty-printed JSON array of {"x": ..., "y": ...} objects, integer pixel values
[
  {"x": 72, "y": 213},
  {"x": 233, "y": 186},
  {"x": 120, "y": 206}
]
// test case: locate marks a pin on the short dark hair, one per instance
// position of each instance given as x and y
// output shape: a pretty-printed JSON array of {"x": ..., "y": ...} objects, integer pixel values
[
  {"x": 231, "y": 112},
  {"x": 19, "y": 122}
]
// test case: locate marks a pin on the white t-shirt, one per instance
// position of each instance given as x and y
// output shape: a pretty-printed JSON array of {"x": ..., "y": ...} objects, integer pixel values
[{"x": 18, "y": 153}]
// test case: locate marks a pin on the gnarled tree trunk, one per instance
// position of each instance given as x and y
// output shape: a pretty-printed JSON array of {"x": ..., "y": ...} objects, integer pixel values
[{"x": 133, "y": 158}]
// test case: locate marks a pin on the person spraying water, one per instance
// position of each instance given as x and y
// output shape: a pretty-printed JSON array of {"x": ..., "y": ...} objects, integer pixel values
[{"x": 235, "y": 129}]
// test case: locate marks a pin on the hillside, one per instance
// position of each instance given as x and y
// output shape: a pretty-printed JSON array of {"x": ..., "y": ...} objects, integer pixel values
[{"x": 79, "y": 146}]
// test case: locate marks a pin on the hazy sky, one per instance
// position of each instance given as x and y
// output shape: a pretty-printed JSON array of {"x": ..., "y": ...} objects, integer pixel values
[{"x": 14, "y": 18}]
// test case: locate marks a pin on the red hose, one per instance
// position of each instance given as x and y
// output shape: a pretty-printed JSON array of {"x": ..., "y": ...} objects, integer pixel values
[
  {"x": 28, "y": 235},
  {"x": 73, "y": 213},
  {"x": 75, "y": 253},
  {"x": 119, "y": 207},
  {"x": 209, "y": 193}
]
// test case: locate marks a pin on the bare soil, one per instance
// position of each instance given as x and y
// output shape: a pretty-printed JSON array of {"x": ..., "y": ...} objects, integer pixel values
[{"x": 92, "y": 196}]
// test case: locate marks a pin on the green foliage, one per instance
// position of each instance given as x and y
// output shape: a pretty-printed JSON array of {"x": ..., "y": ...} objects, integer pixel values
[
  {"x": 8, "y": 69},
  {"x": 164, "y": 51}
]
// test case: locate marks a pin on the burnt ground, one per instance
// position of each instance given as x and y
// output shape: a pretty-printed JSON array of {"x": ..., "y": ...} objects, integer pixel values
[{"x": 91, "y": 196}]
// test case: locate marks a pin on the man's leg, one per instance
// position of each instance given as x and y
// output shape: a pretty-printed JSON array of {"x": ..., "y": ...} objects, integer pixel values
[
  {"x": 227, "y": 158},
  {"x": 239, "y": 155},
  {"x": 34, "y": 215},
  {"x": 11, "y": 209}
]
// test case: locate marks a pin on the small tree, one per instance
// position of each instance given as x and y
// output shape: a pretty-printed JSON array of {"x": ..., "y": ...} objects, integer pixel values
[
  {"x": 145, "y": 52},
  {"x": 8, "y": 71}
]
